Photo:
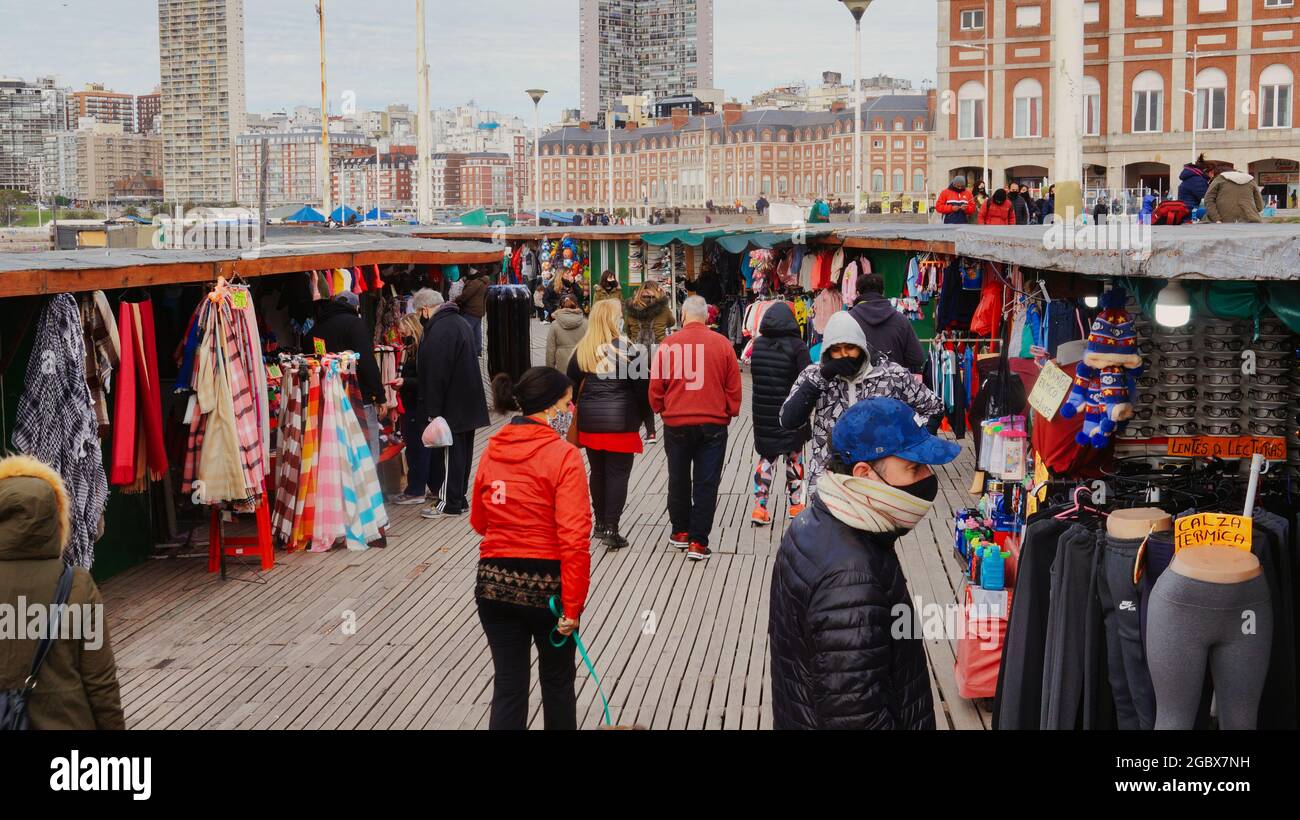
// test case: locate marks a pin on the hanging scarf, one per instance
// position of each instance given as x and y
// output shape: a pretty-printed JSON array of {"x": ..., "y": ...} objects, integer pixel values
[{"x": 871, "y": 506}]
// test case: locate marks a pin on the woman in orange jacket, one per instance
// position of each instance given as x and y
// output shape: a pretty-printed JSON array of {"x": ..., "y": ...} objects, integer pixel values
[
  {"x": 532, "y": 507},
  {"x": 997, "y": 210}
]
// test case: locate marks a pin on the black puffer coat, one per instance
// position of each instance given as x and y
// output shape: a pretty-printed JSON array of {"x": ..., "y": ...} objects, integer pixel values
[
  {"x": 835, "y": 662},
  {"x": 779, "y": 356},
  {"x": 451, "y": 383},
  {"x": 618, "y": 403}
]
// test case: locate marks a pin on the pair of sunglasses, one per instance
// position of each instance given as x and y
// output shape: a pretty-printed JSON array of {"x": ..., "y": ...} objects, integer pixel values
[
  {"x": 1261, "y": 428},
  {"x": 1221, "y": 429},
  {"x": 1220, "y": 362},
  {"x": 1280, "y": 413},
  {"x": 1182, "y": 346},
  {"x": 1223, "y": 343},
  {"x": 1267, "y": 395},
  {"x": 1220, "y": 395},
  {"x": 1221, "y": 379},
  {"x": 1178, "y": 395},
  {"x": 1263, "y": 345},
  {"x": 1181, "y": 363},
  {"x": 1271, "y": 378},
  {"x": 1213, "y": 412}
]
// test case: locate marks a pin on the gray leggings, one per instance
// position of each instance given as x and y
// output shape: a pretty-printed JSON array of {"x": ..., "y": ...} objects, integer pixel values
[{"x": 1190, "y": 622}]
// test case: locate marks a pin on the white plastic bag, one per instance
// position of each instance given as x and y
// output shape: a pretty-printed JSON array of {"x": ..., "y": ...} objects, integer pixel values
[{"x": 437, "y": 434}]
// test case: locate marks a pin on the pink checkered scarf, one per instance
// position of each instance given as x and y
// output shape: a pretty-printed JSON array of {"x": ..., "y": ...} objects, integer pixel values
[
  {"x": 288, "y": 463},
  {"x": 331, "y": 517}
]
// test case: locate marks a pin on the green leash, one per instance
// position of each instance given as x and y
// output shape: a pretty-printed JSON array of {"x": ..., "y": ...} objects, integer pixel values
[{"x": 582, "y": 650}]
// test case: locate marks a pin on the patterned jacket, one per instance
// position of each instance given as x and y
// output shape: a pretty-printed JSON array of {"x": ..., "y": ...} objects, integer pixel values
[{"x": 813, "y": 398}]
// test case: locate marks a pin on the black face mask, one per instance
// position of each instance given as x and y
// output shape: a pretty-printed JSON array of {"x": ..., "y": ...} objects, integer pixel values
[{"x": 927, "y": 489}]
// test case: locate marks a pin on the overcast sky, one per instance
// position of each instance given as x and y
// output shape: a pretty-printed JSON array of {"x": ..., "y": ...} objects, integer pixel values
[{"x": 485, "y": 50}]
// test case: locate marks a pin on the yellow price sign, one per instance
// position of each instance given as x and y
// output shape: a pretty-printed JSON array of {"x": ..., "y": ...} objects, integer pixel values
[
  {"x": 239, "y": 299},
  {"x": 1212, "y": 530}
]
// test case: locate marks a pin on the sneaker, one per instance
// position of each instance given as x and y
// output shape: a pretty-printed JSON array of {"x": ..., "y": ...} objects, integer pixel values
[
  {"x": 440, "y": 511},
  {"x": 405, "y": 500},
  {"x": 613, "y": 541},
  {"x": 760, "y": 517},
  {"x": 599, "y": 530},
  {"x": 680, "y": 540},
  {"x": 698, "y": 552},
  {"x": 794, "y": 510},
  {"x": 651, "y": 439}
]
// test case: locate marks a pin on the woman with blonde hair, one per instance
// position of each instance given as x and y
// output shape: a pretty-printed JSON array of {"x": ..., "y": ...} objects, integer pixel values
[
  {"x": 423, "y": 471},
  {"x": 648, "y": 318},
  {"x": 611, "y": 391}
]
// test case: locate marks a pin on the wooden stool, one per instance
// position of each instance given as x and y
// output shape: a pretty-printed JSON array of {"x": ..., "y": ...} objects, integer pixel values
[{"x": 219, "y": 546}]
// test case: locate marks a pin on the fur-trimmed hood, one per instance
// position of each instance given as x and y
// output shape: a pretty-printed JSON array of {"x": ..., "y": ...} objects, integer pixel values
[
  {"x": 649, "y": 312},
  {"x": 34, "y": 510}
]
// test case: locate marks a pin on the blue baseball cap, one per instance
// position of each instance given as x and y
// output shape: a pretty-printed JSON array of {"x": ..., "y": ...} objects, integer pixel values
[{"x": 877, "y": 428}]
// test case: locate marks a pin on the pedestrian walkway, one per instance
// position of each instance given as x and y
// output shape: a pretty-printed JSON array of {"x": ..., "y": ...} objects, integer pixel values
[{"x": 390, "y": 639}]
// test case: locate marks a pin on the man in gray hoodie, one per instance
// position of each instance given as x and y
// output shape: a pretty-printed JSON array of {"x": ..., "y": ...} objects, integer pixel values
[
  {"x": 888, "y": 332},
  {"x": 1233, "y": 196}
]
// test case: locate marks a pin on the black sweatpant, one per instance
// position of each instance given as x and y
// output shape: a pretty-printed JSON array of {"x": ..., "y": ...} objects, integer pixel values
[
  {"x": 1126, "y": 662},
  {"x": 460, "y": 457},
  {"x": 610, "y": 473},
  {"x": 511, "y": 629}
]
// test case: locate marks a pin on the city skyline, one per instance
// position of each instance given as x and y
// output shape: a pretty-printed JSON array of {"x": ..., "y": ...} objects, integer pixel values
[{"x": 371, "y": 49}]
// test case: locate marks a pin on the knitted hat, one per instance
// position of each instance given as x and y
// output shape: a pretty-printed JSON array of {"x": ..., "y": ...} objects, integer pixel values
[{"x": 1112, "y": 340}]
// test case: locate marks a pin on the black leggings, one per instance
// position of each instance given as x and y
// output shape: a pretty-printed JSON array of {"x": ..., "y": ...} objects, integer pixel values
[
  {"x": 610, "y": 473},
  {"x": 510, "y": 630}
]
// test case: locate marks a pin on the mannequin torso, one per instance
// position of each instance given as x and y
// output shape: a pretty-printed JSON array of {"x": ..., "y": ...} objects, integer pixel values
[
  {"x": 1138, "y": 523},
  {"x": 1216, "y": 565}
]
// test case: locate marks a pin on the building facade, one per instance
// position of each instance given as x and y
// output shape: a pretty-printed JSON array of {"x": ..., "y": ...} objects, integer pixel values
[
  {"x": 1160, "y": 76},
  {"x": 832, "y": 91},
  {"x": 661, "y": 48},
  {"x": 293, "y": 165},
  {"x": 355, "y": 184},
  {"x": 788, "y": 156},
  {"x": 487, "y": 180},
  {"x": 29, "y": 114},
  {"x": 103, "y": 105},
  {"x": 148, "y": 107},
  {"x": 88, "y": 164},
  {"x": 201, "y": 51}
]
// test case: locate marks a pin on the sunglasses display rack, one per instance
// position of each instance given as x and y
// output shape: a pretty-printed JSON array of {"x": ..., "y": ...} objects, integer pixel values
[{"x": 1214, "y": 378}]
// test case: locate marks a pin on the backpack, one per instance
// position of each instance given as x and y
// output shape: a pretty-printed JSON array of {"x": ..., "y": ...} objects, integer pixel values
[{"x": 13, "y": 702}]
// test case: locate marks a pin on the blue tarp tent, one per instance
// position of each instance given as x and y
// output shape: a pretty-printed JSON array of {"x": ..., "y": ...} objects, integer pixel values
[
  {"x": 560, "y": 217},
  {"x": 306, "y": 215},
  {"x": 375, "y": 213},
  {"x": 344, "y": 214}
]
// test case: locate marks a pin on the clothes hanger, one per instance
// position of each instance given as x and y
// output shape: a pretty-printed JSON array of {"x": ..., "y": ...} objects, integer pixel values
[{"x": 1077, "y": 505}]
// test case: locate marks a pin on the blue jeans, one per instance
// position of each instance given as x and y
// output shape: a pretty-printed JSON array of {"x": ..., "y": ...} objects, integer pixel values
[
  {"x": 422, "y": 471},
  {"x": 695, "y": 455}
]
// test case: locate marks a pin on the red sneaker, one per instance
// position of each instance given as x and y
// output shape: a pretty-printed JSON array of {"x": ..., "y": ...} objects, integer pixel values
[
  {"x": 760, "y": 517},
  {"x": 679, "y": 540},
  {"x": 794, "y": 510},
  {"x": 698, "y": 552}
]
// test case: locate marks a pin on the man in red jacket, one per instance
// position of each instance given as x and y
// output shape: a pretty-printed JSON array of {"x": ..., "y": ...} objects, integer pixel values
[
  {"x": 695, "y": 386},
  {"x": 956, "y": 203}
]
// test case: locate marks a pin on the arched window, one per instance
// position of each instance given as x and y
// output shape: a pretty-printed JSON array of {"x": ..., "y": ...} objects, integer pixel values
[
  {"x": 1211, "y": 112},
  {"x": 839, "y": 182},
  {"x": 970, "y": 111},
  {"x": 1029, "y": 108},
  {"x": 798, "y": 186},
  {"x": 918, "y": 181},
  {"x": 767, "y": 185},
  {"x": 1276, "y": 95},
  {"x": 1148, "y": 103},
  {"x": 877, "y": 180},
  {"x": 898, "y": 124},
  {"x": 1091, "y": 107},
  {"x": 899, "y": 184}
]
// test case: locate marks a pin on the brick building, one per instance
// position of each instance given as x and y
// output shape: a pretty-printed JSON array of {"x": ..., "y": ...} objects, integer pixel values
[
  {"x": 791, "y": 156},
  {"x": 1151, "y": 67},
  {"x": 104, "y": 105},
  {"x": 148, "y": 108},
  {"x": 354, "y": 183}
]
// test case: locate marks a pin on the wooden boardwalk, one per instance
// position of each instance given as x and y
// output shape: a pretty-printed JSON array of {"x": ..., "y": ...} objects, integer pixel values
[{"x": 677, "y": 644}]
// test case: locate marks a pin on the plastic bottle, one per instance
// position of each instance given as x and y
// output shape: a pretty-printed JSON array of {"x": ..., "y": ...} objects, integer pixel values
[{"x": 993, "y": 569}]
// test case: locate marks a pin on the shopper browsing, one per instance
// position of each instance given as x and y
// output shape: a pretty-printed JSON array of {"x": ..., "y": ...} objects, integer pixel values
[
  {"x": 888, "y": 332},
  {"x": 845, "y": 376},
  {"x": 339, "y": 328},
  {"x": 530, "y": 504},
  {"x": 779, "y": 356},
  {"x": 421, "y": 475},
  {"x": 473, "y": 305},
  {"x": 611, "y": 385},
  {"x": 695, "y": 386},
  {"x": 647, "y": 318},
  {"x": 839, "y": 595},
  {"x": 562, "y": 337}
]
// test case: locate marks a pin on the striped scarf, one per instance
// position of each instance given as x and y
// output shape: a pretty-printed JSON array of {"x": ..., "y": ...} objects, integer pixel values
[{"x": 871, "y": 506}]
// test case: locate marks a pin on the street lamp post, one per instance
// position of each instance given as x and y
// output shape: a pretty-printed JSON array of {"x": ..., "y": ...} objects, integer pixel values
[
  {"x": 857, "y": 8},
  {"x": 1196, "y": 101},
  {"x": 537, "y": 94}
]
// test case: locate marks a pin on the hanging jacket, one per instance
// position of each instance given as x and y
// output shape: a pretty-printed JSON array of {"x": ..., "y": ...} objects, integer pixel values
[
  {"x": 647, "y": 325},
  {"x": 341, "y": 329},
  {"x": 1233, "y": 196},
  {"x": 888, "y": 332},
  {"x": 1192, "y": 185},
  {"x": 779, "y": 356},
  {"x": 568, "y": 326},
  {"x": 451, "y": 384},
  {"x": 77, "y": 686},
  {"x": 836, "y": 663},
  {"x": 548, "y": 512},
  {"x": 956, "y": 206},
  {"x": 616, "y": 403}
]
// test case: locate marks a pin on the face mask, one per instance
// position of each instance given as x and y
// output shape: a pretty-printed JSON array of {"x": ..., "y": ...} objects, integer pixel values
[
  {"x": 927, "y": 489},
  {"x": 563, "y": 419}
]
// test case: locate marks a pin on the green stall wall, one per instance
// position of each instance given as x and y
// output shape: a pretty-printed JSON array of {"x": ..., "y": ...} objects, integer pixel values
[{"x": 892, "y": 266}]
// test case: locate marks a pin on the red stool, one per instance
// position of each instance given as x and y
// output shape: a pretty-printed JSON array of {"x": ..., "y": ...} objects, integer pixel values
[{"x": 219, "y": 546}]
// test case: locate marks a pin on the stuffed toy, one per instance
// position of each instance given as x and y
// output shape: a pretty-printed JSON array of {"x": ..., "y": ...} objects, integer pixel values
[{"x": 1105, "y": 382}]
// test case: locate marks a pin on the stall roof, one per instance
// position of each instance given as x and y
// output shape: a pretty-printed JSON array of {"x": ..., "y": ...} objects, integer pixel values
[{"x": 25, "y": 274}]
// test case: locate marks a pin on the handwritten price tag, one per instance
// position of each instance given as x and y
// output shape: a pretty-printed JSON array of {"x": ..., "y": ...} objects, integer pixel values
[
  {"x": 239, "y": 299},
  {"x": 319, "y": 347},
  {"x": 1050, "y": 390},
  {"x": 1212, "y": 530}
]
